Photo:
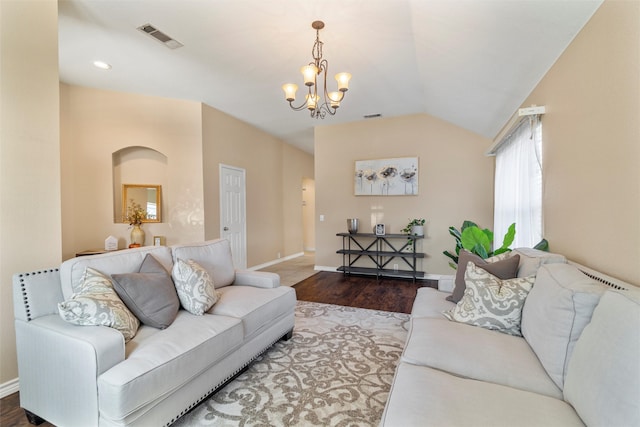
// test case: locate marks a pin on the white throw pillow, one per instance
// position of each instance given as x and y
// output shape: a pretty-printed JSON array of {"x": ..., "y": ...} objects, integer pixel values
[
  {"x": 491, "y": 303},
  {"x": 97, "y": 304},
  {"x": 195, "y": 288},
  {"x": 557, "y": 309}
]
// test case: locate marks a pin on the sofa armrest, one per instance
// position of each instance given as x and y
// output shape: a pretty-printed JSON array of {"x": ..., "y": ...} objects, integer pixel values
[
  {"x": 59, "y": 365},
  {"x": 258, "y": 279},
  {"x": 446, "y": 283}
]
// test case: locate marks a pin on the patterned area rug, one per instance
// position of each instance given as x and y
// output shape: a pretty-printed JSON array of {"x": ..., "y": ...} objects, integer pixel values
[{"x": 335, "y": 371}]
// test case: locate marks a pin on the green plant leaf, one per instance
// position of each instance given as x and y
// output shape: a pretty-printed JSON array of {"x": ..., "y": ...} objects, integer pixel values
[
  {"x": 501, "y": 251},
  {"x": 452, "y": 256},
  {"x": 454, "y": 266},
  {"x": 472, "y": 238},
  {"x": 467, "y": 224},
  {"x": 479, "y": 250},
  {"x": 508, "y": 238},
  {"x": 455, "y": 233}
]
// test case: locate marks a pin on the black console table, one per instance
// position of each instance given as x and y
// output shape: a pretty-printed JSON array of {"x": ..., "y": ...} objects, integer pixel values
[{"x": 381, "y": 250}]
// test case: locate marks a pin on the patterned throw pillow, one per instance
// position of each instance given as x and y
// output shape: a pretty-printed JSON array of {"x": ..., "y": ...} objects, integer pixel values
[
  {"x": 490, "y": 302},
  {"x": 195, "y": 287},
  {"x": 503, "y": 266},
  {"x": 97, "y": 304}
]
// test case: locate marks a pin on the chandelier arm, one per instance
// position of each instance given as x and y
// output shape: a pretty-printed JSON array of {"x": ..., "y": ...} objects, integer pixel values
[{"x": 298, "y": 108}]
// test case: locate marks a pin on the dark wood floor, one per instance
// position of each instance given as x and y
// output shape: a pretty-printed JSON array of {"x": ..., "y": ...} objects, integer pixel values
[{"x": 385, "y": 294}]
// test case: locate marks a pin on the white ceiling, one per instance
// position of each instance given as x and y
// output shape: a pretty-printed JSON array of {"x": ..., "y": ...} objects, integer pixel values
[{"x": 469, "y": 62}]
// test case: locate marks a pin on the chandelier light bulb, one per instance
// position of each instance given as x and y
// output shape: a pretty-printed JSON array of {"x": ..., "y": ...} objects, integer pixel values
[
  {"x": 312, "y": 101},
  {"x": 309, "y": 73},
  {"x": 290, "y": 91},
  {"x": 343, "y": 81},
  {"x": 334, "y": 99}
]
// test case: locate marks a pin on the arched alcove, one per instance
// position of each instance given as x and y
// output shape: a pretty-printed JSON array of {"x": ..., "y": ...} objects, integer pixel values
[{"x": 137, "y": 165}]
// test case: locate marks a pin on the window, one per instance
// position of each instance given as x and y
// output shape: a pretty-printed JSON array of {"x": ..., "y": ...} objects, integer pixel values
[{"x": 518, "y": 184}]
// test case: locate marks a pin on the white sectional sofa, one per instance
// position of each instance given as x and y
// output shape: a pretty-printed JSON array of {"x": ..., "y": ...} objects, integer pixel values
[
  {"x": 86, "y": 376},
  {"x": 577, "y": 363}
]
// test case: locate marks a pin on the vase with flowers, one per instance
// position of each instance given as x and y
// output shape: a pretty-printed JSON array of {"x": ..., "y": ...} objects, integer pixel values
[{"x": 135, "y": 216}]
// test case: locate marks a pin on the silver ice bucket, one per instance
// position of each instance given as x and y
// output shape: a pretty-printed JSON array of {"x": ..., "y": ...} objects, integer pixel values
[{"x": 352, "y": 225}]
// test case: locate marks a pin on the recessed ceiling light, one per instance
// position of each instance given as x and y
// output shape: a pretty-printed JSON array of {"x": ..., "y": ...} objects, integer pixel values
[{"x": 102, "y": 65}]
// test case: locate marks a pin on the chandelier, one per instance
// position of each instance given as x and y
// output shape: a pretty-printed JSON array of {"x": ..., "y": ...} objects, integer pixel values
[{"x": 318, "y": 70}]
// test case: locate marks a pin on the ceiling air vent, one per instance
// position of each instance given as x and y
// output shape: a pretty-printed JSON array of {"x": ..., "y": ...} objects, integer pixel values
[
  {"x": 160, "y": 36},
  {"x": 372, "y": 116}
]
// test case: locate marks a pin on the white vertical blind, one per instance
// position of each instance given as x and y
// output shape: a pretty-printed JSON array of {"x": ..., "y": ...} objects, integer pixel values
[{"x": 518, "y": 184}]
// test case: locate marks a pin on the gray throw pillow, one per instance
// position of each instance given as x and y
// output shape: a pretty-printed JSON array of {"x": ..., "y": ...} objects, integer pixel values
[
  {"x": 149, "y": 293},
  {"x": 503, "y": 269}
]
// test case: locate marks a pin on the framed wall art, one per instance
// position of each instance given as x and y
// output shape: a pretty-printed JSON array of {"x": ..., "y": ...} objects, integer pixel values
[{"x": 386, "y": 177}]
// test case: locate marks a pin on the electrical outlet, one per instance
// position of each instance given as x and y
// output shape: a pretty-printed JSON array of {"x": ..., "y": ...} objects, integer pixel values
[{"x": 278, "y": 255}]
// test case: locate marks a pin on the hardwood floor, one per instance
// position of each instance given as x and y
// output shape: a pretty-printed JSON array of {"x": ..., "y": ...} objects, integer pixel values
[{"x": 386, "y": 294}]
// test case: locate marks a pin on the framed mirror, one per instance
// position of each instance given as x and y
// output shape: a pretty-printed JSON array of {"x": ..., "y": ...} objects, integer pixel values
[{"x": 145, "y": 197}]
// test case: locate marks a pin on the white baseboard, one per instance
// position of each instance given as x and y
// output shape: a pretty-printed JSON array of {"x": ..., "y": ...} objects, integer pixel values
[
  {"x": 324, "y": 268},
  {"x": 276, "y": 261},
  {"x": 9, "y": 387}
]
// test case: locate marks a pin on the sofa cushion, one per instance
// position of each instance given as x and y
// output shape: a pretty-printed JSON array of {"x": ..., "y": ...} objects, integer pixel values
[
  {"x": 603, "y": 377},
  {"x": 149, "y": 293},
  {"x": 258, "y": 308},
  {"x": 213, "y": 255},
  {"x": 195, "y": 288},
  {"x": 490, "y": 302},
  {"x": 531, "y": 260},
  {"x": 556, "y": 311},
  {"x": 477, "y": 353},
  {"x": 430, "y": 302},
  {"x": 116, "y": 262},
  {"x": 426, "y": 397},
  {"x": 96, "y": 303},
  {"x": 159, "y": 362},
  {"x": 501, "y": 268}
]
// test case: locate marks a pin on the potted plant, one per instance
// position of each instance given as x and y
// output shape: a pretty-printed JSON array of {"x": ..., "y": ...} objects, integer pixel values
[
  {"x": 478, "y": 241},
  {"x": 415, "y": 227}
]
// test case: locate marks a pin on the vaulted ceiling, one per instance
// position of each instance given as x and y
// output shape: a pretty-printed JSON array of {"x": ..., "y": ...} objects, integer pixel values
[{"x": 469, "y": 62}]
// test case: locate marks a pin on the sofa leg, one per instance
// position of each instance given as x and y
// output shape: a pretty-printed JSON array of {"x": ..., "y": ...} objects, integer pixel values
[
  {"x": 33, "y": 418},
  {"x": 287, "y": 336}
]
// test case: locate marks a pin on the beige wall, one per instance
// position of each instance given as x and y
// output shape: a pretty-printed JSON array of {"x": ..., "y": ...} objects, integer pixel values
[
  {"x": 30, "y": 236},
  {"x": 591, "y": 144},
  {"x": 455, "y": 182},
  {"x": 96, "y": 124},
  {"x": 274, "y": 173}
]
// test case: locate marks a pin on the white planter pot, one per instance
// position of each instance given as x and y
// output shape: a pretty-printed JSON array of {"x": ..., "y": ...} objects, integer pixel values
[{"x": 417, "y": 230}]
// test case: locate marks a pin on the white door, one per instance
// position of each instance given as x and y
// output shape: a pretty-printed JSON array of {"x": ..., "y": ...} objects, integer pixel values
[{"x": 233, "y": 212}]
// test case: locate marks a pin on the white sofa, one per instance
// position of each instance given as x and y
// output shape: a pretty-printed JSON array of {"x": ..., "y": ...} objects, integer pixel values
[
  {"x": 88, "y": 376},
  {"x": 577, "y": 363}
]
